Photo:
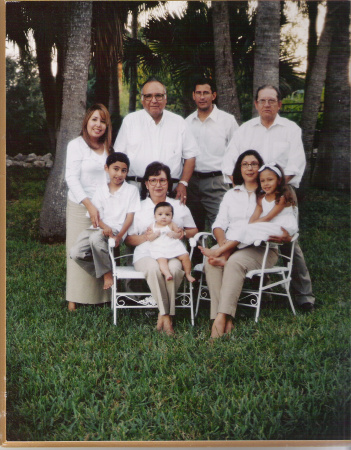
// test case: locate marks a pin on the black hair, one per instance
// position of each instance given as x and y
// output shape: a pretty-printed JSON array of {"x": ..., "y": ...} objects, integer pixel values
[
  {"x": 282, "y": 189},
  {"x": 117, "y": 156},
  {"x": 204, "y": 80},
  {"x": 269, "y": 86},
  {"x": 154, "y": 169},
  {"x": 161, "y": 204},
  {"x": 150, "y": 80},
  {"x": 237, "y": 176}
]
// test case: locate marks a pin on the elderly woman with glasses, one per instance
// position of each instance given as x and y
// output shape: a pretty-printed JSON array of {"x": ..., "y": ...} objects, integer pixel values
[
  {"x": 155, "y": 188},
  {"x": 225, "y": 281}
]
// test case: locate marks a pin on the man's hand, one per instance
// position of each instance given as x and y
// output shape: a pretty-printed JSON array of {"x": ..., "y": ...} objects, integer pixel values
[
  {"x": 181, "y": 193},
  {"x": 285, "y": 238}
]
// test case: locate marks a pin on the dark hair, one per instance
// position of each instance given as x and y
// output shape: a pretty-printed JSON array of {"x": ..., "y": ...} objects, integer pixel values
[
  {"x": 237, "y": 176},
  {"x": 106, "y": 138},
  {"x": 282, "y": 189},
  {"x": 154, "y": 169},
  {"x": 204, "y": 80},
  {"x": 269, "y": 86},
  {"x": 150, "y": 80},
  {"x": 117, "y": 156},
  {"x": 161, "y": 204}
]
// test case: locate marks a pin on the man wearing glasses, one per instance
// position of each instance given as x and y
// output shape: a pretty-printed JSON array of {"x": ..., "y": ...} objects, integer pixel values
[
  {"x": 212, "y": 129},
  {"x": 276, "y": 139},
  {"x": 155, "y": 134}
]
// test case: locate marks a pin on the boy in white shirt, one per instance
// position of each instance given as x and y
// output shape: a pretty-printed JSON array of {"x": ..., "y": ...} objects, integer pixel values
[{"x": 117, "y": 201}]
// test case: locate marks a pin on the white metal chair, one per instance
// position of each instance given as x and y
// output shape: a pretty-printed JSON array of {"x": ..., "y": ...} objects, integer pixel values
[
  {"x": 122, "y": 299},
  {"x": 251, "y": 297}
]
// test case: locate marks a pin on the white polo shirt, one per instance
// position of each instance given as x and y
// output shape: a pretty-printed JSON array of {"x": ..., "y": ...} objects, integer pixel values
[
  {"x": 281, "y": 143},
  {"x": 84, "y": 170},
  {"x": 212, "y": 137},
  {"x": 113, "y": 208},
  {"x": 145, "y": 217},
  {"x": 170, "y": 142}
]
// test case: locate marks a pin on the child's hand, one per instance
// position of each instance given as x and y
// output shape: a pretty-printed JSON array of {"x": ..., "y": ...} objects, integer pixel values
[
  {"x": 107, "y": 231},
  {"x": 152, "y": 235},
  {"x": 117, "y": 240}
]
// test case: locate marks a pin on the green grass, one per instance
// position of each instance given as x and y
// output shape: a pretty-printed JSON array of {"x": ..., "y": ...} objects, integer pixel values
[{"x": 77, "y": 377}]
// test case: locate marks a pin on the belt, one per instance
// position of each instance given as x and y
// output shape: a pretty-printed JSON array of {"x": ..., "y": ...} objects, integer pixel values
[
  {"x": 207, "y": 174},
  {"x": 139, "y": 180}
]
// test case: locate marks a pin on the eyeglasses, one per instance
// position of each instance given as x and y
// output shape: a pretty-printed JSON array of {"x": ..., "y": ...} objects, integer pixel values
[
  {"x": 245, "y": 165},
  {"x": 158, "y": 97},
  {"x": 270, "y": 101},
  {"x": 161, "y": 181}
]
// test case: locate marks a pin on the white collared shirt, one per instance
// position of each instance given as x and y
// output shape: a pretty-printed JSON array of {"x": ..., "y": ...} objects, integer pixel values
[
  {"x": 212, "y": 137},
  {"x": 84, "y": 170},
  {"x": 235, "y": 210},
  {"x": 280, "y": 143},
  {"x": 170, "y": 142},
  {"x": 145, "y": 217},
  {"x": 113, "y": 208}
]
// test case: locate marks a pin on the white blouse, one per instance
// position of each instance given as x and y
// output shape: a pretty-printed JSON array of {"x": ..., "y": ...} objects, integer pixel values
[
  {"x": 145, "y": 217},
  {"x": 84, "y": 170}
]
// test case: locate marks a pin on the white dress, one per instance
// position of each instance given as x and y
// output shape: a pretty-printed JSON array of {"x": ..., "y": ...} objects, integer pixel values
[
  {"x": 261, "y": 231},
  {"x": 164, "y": 246}
]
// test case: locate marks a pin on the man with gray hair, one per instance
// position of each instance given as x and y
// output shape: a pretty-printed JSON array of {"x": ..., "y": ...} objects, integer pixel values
[{"x": 155, "y": 134}]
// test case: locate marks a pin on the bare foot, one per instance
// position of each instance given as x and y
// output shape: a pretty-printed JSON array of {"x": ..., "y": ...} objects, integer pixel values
[
  {"x": 207, "y": 251},
  {"x": 159, "y": 326},
  {"x": 190, "y": 278},
  {"x": 218, "y": 327},
  {"x": 220, "y": 261},
  {"x": 167, "y": 325},
  {"x": 108, "y": 280},
  {"x": 72, "y": 306},
  {"x": 229, "y": 326}
]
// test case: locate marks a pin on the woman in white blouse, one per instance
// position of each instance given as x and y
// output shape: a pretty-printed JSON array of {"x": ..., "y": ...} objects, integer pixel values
[
  {"x": 86, "y": 157},
  {"x": 156, "y": 184},
  {"x": 225, "y": 283}
]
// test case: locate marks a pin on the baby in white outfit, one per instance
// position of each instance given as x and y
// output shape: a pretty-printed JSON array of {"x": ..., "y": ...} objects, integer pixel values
[{"x": 163, "y": 245}]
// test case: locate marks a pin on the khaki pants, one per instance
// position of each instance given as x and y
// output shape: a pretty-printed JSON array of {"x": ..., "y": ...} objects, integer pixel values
[
  {"x": 225, "y": 283},
  {"x": 164, "y": 292}
]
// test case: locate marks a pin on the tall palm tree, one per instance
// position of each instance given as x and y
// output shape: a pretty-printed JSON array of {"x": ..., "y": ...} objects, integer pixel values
[
  {"x": 314, "y": 87},
  {"x": 224, "y": 68},
  {"x": 267, "y": 45},
  {"x": 332, "y": 169},
  {"x": 52, "y": 216}
]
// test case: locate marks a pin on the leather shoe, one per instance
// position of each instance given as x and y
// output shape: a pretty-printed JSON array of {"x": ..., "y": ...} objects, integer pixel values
[{"x": 307, "y": 307}]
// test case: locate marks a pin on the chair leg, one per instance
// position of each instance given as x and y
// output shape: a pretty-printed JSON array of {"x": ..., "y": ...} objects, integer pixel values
[{"x": 191, "y": 304}]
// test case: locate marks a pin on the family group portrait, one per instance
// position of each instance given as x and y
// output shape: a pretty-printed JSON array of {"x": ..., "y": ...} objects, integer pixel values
[{"x": 177, "y": 222}]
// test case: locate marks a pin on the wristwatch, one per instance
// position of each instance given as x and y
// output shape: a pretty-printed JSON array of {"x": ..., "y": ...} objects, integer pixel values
[{"x": 184, "y": 182}]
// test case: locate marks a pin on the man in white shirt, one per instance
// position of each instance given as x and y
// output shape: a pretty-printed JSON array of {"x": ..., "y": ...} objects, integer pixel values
[
  {"x": 154, "y": 134},
  {"x": 212, "y": 129},
  {"x": 276, "y": 139}
]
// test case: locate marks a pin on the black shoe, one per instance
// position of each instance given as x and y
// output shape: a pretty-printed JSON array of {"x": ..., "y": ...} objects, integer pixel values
[{"x": 307, "y": 307}]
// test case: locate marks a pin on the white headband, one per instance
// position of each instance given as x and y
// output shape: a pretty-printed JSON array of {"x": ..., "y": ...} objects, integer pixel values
[{"x": 271, "y": 166}]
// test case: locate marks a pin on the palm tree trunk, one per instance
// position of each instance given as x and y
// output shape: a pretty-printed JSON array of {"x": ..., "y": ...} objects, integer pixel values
[
  {"x": 267, "y": 45},
  {"x": 333, "y": 159},
  {"x": 312, "y": 8},
  {"x": 313, "y": 92},
  {"x": 224, "y": 68},
  {"x": 53, "y": 213},
  {"x": 133, "y": 90}
]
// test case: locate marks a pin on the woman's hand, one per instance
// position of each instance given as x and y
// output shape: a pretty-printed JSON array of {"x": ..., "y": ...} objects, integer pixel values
[
  {"x": 283, "y": 239},
  {"x": 151, "y": 235},
  {"x": 107, "y": 231},
  {"x": 94, "y": 215},
  {"x": 177, "y": 233}
]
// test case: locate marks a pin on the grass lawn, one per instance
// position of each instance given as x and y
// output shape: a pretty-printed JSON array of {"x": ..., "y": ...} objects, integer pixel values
[{"x": 74, "y": 376}]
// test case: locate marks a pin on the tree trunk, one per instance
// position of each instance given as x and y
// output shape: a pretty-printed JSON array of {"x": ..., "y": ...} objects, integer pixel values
[
  {"x": 332, "y": 169},
  {"x": 53, "y": 213},
  {"x": 224, "y": 68},
  {"x": 313, "y": 92},
  {"x": 312, "y": 8},
  {"x": 133, "y": 89},
  {"x": 267, "y": 46}
]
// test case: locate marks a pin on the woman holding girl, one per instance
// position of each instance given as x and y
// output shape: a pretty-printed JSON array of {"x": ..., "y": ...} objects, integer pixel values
[
  {"x": 225, "y": 281},
  {"x": 156, "y": 184},
  {"x": 86, "y": 157}
]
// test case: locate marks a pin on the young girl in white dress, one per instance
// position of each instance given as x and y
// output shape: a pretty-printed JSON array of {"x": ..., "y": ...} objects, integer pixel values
[
  {"x": 275, "y": 209},
  {"x": 163, "y": 246}
]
